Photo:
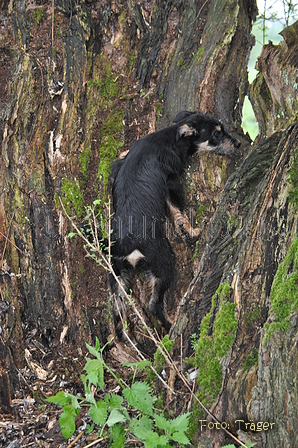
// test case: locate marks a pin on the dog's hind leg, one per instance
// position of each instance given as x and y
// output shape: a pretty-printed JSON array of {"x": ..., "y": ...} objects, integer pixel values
[
  {"x": 118, "y": 300},
  {"x": 156, "y": 303},
  {"x": 161, "y": 276}
]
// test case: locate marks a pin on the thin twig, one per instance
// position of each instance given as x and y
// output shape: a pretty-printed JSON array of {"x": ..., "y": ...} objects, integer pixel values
[
  {"x": 16, "y": 247},
  {"x": 76, "y": 439},
  {"x": 6, "y": 239},
  {"x": 109, "y": 248},
  {"x": 96, "y": 441},
  {"x": 198, "y": 13}
]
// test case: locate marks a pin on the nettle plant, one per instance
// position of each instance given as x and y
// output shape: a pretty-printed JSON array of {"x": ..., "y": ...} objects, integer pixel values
[{"x": 119, "y": 417}]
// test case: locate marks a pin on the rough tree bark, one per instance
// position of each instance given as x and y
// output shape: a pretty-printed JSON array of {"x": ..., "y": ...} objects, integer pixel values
[
  {"x": 99, "y": 75},
  {"x": 248, "y": 238}
]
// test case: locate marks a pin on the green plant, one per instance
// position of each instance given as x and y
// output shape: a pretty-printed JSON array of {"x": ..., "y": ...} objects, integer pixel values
[
  {"x": 112, "y": 413},
  {"x": 249, "y": 445},
  {"x": 103, "y": 92}
]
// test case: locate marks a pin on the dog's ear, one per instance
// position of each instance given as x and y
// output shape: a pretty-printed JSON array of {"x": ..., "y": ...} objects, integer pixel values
[{"x": 186, "y": 131}]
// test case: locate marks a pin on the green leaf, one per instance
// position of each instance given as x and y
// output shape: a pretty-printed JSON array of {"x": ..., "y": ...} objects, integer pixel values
[
  {"x": 180, "y": 437},
  {"x": 153, "y": 440},
  {"x": 71, "y": 235},
  {"x": 141, "y": 365},
  {"x": 117, "y": 435},
  {"x": 63, "y": 398},
  {"x": 95, "y": 351},
  {"x": 84, "y": 380},
  {"x": 99, "y": 412},
  {"x": 95, "y": 371},
  {"x": 67, "y": 421},
  {"x": 140, "y": 427},
  {"x": 162, "y": 422},
  {"x": 139, "y": 397},
  {"x": 89, "y": 428},
  {"x": 180, "y": 423},
  {"x": 114, "y": 401},
  {"x": 116, "y": 417},
  {"x": 90, "y": 398}
]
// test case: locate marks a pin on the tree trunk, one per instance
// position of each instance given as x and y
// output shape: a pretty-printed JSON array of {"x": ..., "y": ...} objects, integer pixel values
[
  {"x": 86, "y": 81},
  {"x": 250, "y": 237}
]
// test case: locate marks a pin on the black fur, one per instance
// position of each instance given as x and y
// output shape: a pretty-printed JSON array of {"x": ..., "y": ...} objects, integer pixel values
[{"x": 147, "y": 183}]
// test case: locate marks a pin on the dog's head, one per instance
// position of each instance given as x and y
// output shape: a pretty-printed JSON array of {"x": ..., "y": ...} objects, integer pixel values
[{"x": 205, "y": 133}]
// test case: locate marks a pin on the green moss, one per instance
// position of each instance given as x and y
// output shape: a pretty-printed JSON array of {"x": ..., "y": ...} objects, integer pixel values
[
  {"x": 111, "y": 141},
  {"x": 232, "y": 222},
  {"x": 106, "y": 85},
  {"x": 122, "y": 21},
  {"x": 284, "y": 292},
  {"x": 180, "y": 63},
  {"x": 199, "y": 54},
  {"x": 37, "y": 15},
  {"x": 211, "y": 348},
  {"x": 194, "y": 421},
  {"x": 72, "y": 196},
  {"x": 84, "y": 161},
  {"x": 159, "y": 360},
  {"x": 104, "y": 90}
]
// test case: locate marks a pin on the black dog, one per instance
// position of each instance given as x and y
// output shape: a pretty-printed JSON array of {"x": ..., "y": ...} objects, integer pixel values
[{"x": 147, "y": 186}]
